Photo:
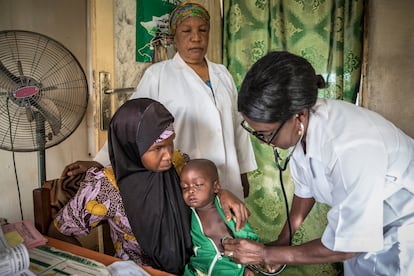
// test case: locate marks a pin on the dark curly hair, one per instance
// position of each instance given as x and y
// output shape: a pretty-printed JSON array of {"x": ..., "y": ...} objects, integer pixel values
[{"x": 278, "y": 86}]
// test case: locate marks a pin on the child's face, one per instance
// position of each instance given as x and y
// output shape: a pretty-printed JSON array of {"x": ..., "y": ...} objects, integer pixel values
[
  {"x": 198, "y": 188},
  {"x": 158, "y": 157}
]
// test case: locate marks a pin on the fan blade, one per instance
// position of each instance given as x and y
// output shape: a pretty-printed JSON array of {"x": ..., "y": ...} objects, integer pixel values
[
  {"x": 50, "y": 112},
  {"x": 49, "y": 88},
  {"x": 29, "y": 113},
  {"x": 20, "y": 67},
  {"x": 6, "y": 83},
  {"x": 7, "y": 80}
]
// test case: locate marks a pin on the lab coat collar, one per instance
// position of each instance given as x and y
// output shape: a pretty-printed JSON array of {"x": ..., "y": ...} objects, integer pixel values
[
  {"x": 180, "y": 63},
  {"x": 212, "y": 70}
]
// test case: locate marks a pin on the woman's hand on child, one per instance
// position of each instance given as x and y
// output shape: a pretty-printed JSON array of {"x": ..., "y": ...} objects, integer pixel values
[{"x": 232, "y": 206}]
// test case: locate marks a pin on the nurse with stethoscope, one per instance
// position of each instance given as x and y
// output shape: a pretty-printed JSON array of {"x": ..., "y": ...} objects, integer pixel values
[{"x": 340, "y": 154}]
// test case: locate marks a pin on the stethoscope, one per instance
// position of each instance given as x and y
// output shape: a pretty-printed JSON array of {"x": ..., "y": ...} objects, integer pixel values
[{"x": 281, "y": 169}]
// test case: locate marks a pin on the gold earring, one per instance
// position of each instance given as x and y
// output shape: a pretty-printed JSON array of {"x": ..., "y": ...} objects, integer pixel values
[{"x": 300, "y": 130}]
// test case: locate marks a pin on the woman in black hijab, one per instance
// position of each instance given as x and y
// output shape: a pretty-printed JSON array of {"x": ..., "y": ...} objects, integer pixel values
[{"x": 140, "y": 147}]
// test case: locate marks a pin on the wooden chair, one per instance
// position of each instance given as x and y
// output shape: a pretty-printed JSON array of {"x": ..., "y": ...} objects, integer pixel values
[
  {"x": 42, "y": 209},
  {"x": 50, "y": 198}
]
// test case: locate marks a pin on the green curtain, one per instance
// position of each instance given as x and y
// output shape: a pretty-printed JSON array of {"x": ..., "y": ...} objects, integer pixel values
[{"x": 329, "y": 34}]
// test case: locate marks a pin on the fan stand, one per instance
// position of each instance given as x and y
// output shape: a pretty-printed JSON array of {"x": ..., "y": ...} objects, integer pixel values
[{"x": 40, "y": 139}]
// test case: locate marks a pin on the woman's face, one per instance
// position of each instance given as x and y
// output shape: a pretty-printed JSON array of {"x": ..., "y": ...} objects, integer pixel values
[
  {"x": 158, "y": 157},
  {"x": 191, "y": 39},
  {"x": 286, "y": 136}
]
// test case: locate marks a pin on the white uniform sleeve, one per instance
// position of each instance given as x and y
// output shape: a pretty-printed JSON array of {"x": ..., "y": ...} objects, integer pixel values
[
  {"x": 103, "y": 155},
  {"x": 148, "y": 86},
  {"x": 244, "y": 148},
  {"x": 357, "y": 175}
]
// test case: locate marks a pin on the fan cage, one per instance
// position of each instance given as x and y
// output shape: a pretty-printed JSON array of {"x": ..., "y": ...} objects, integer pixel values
[{"x": 31, "y": 59}]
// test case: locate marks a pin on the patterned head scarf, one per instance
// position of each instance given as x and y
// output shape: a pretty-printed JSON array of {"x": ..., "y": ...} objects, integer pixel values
[{"x": 187, "y": 9}]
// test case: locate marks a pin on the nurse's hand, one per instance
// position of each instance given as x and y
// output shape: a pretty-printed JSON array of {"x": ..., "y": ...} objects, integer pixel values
[
  {"x": 249, "y": 252},
  {"x": 233, "y": 206},
  {"x": 244, "y": 251}
]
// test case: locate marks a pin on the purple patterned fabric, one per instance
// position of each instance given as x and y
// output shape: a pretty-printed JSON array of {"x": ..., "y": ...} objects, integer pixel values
[
  {"x": 97, "y": 200},
  {"x": 166, "y": 133}
]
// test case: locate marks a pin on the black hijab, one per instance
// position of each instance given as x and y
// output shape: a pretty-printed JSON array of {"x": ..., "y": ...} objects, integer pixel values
[{"x": 153, "y": 202}]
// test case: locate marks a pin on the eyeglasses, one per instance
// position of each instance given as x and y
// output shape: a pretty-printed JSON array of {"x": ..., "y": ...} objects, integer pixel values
[{"x": 259, "y": 135}]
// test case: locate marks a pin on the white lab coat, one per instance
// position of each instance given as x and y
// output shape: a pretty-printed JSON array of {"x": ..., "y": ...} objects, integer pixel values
[
  {"x": 363, "y": 167},
  {"x": 207, "y": 123}
]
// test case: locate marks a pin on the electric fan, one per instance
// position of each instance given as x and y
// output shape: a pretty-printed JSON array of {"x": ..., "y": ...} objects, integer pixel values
[{"x": 43, "y": 93}]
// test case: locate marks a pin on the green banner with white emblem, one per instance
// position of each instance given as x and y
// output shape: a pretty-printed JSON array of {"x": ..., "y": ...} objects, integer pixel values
[{"x": 152, "y": 27}]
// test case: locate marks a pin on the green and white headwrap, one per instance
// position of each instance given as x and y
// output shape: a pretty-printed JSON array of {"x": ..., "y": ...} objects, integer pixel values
[{"x": 187, "y": 9}]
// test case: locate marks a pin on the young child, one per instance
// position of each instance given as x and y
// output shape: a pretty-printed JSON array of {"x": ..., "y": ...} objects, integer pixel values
[{"x": 200, "y": 186}]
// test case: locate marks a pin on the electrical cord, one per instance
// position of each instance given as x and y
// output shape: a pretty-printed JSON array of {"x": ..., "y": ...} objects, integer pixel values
[{"x": 14, "y": 159}]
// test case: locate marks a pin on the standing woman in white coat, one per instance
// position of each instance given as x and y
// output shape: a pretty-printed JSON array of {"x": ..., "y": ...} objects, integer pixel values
[{"x": 202, "y": 97}]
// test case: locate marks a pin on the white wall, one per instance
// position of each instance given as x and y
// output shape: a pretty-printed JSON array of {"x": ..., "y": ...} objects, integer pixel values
[
  {"x": 390, "y": 69},
  {"x": 66, "y": 22}
]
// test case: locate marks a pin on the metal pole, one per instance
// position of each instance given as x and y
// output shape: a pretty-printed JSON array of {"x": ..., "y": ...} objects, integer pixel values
[{"x": 40, "y": 139}]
